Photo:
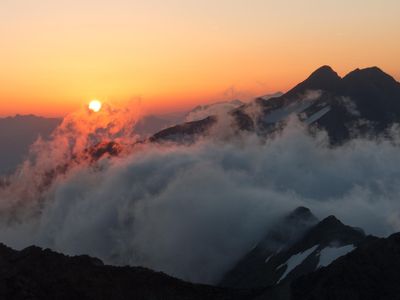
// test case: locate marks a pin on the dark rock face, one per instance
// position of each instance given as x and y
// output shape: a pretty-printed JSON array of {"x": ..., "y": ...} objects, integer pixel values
[
  {"x": 365, "y": 101},
  {"x": 292, "y": 249},
  {"x": 34, "y": 273},
  {"x": 375, "y": 94},
  {"x": 253, "y": 270},
  {"x": 323, "y": 78},
  {"x": 372, "y": 271},
  {"x": 151, "y": 124},
  {"x": 184, "y": 133},
  {"x": 104, "y": 149},
  {"x": 331, "y": 230}
]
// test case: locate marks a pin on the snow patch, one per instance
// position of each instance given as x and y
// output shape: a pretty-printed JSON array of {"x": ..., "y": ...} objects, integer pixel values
[
  {"x": 329, "y": 254},
  {"x": 283, "y": 113},
  {"x": 318, "y": 115},
  {"x": 269, "y": 96},
  {"x": 295, "y": 260}
]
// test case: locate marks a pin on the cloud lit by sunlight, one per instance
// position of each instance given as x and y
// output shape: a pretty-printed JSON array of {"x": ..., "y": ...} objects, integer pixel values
[{"x": 174, "y": 207}]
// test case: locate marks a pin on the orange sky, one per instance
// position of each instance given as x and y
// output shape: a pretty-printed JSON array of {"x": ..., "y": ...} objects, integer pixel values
[{"x": 173, "y": 54}]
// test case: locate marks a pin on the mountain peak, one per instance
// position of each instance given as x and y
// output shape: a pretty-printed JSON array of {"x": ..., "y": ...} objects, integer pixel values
[
  {"x": 330, "y": 229},
  {"x": 324, "y": 78},
  {"x": 324, "y": 70},
  {"x": 331, "y": 221},
  {"x": 302, "y": 213},
  {"x": 374, "y": 74},
  {"x": 323, "y": 73},
  {"x": 371, "y": 70}
]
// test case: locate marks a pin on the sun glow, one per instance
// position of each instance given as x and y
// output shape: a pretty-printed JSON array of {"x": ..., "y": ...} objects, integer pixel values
[{"x": 95, "y": 105}]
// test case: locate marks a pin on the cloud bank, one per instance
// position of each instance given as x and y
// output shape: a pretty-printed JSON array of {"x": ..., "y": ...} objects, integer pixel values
[{"x": 192, "y": 211}]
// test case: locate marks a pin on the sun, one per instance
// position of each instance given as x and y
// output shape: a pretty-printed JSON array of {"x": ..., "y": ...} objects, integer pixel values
[{"x": 95, "y": 105}]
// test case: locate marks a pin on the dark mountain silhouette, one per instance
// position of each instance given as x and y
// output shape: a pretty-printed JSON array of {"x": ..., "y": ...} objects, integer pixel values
[
  {"x": 301, "y": 258},
  {"x": 187, "y": 132},
  {"x": 375, "y": 94},
  {"x": 324, "y": 78},
  {"x": 34, "y": 273},
  {"x": 253, "y": 270},
  {"x": 364, "y": 102},
  {"x": 298, "y": 245},
  {"x": 370, "y": 271},
  {"x": 151, "y": 124}
]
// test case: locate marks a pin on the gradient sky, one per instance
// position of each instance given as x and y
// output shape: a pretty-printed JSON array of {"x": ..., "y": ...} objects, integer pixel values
[{"x": 56, "y": 55}]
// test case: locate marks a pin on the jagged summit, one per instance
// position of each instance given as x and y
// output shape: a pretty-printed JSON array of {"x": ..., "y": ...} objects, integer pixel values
[
  {"x": 364, "y": 102},
  {"x": 331, "y": 221},
  {"x": 301, "y": 217},
  {"x": 369, "y": 74},
  {"x": 315, "y": 245},
  {"x": 326, "y": 79},
  {"x": 330, "y": 230},
  {"x": 301, "y": 212}
]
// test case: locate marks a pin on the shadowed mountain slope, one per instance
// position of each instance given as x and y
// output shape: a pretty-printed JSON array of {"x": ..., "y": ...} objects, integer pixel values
[{"x": 34, "y": 273}]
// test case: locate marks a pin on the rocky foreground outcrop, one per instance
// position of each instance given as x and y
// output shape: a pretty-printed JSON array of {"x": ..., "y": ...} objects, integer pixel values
[
  {"x": 371, "y": 271},
  {"x": 34, "y": 273}
]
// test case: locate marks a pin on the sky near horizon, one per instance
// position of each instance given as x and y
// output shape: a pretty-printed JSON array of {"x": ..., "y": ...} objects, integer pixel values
[{"x": 169, "y": 55}]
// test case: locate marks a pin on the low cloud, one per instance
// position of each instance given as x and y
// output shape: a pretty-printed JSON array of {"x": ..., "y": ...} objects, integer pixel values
[
  {"x": 192, "y": 211},
  {"x": 218, "y": 109}
]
